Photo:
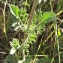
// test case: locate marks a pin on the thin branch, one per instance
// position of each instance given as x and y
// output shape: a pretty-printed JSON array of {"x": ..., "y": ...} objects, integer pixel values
[{"x": 32, "y": 13}]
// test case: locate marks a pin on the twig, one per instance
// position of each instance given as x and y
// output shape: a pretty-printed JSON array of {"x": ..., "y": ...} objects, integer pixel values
[
  {"x": 4, "y": 19},
  {"x": 32, "y": 13},
  {"x": 3, "y": 53}
]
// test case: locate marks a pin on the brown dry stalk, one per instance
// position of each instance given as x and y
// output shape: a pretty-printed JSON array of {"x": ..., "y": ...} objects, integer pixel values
[{"x": 31, "y": 13}]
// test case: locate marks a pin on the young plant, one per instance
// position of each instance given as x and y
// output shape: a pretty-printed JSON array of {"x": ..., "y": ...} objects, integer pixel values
[{"x": 30, "y": 35}]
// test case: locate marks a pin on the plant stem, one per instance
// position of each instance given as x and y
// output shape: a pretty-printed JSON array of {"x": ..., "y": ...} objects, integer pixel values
[
  {"x": 56, "y": 33},
  {"x": 51, "y": 6},
  {"x": 32, "y": 13},
  {"x": 5, "y": 19},
  {"x": 56, "y": 38}
]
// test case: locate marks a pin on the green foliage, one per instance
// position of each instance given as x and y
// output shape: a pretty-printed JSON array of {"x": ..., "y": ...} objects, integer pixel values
[
  {"x": 42, "y": 19},
  {"x": 48, "y": 16},
  {"x": 14, "y": 10},
  {"x": 21, "y": 15},
  {"x": 59, "y": 6},
  {"x": 11, "y": 59},
  {"x": 18, "y": 13},
  {"x": 28, "y": 59},
  {"x": 16, "y": 23},
  {"x": 15, "y": 45},
  {"x": 37, "y": 27},
  {"x": 44, "y": 60}
]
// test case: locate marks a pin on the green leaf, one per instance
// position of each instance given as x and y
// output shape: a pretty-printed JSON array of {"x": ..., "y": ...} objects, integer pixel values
[
  {"x": 48, "y": 16},
  {"x": 14, "y": 10},
  {"x": 15, "y": 43},
  {"x": 23, "y": 15},
  {"x": 25, "y": 46},
  {"x": 33, "y": 36},
  {"x": 39, "y": 15},
  {"x": 11, "y": 59}
]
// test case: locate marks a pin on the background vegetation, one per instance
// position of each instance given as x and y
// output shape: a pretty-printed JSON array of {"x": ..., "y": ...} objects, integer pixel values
[{"x": 31, "y": 31}]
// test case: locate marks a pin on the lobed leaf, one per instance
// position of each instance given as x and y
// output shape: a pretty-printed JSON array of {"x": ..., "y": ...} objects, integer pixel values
[
  {"x": 14, "y": 10},
  {"x": 48, "y": 16}
]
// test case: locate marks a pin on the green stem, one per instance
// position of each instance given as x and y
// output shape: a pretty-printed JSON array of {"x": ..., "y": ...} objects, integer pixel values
[
  {"x": 55, "y": 29},
  {"x": 56, "y": 38},
  {"x": 51, "y": 6}
]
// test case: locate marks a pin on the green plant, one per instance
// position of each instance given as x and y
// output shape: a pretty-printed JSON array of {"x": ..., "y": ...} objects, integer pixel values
[
  {"x": 33, "y": 31},
  {"x": 23, "y": 31}
]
